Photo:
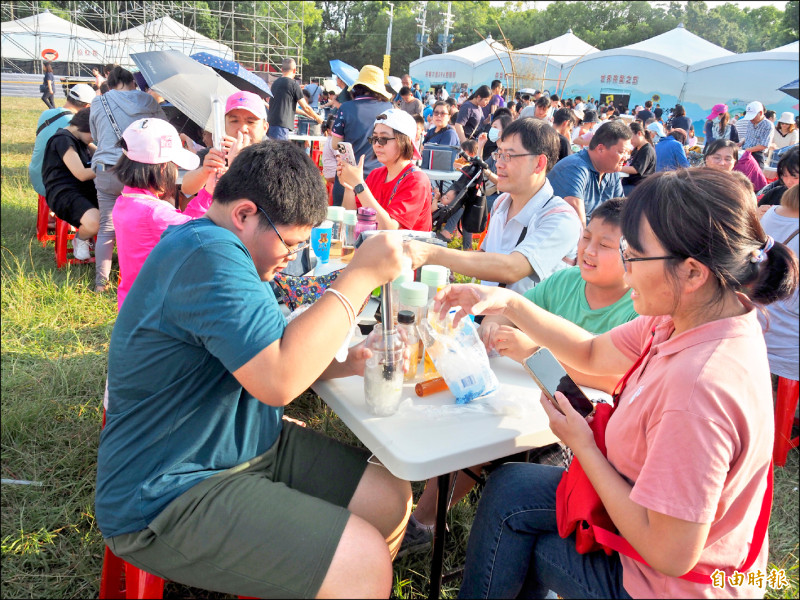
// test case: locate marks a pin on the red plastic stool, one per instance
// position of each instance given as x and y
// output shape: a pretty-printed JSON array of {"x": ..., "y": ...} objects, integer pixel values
[
  {"x": 121, "y": 579},
  {"x": 785, "y": 407},
  {"x": 42, "y": 223},
  {"x": 64, "y": 249}
]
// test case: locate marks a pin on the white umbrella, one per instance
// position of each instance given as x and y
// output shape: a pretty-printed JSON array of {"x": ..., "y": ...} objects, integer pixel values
[{"x": 187, "y": 84}]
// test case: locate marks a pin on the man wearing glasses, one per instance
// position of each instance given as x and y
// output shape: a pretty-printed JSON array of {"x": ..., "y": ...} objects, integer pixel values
[
  {"x": 200, "y": 478},
  {"x": 532, "y": 232}
]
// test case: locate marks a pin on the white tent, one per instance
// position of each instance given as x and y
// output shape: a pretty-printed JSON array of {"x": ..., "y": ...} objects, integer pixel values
[
  {"x": 681, "y": 45},
  {"x": 46, "y": 37},
  {"x": 454, "y": 68},
  {"x": 790, "y": 47},
  {"x": 739, "y": 79},
  {"x": 164, "y": 34},
  {"x": 537, "y": 66},
  {"x": 654, "y": 69}
]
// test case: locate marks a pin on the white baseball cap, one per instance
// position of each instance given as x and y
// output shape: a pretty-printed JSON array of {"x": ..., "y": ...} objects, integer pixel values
[
  {"x": 154, "y": 141},
  {"x": 753, "y": 109},
  {"x": 82, "y": 92},
  {"x": 401, "y": 121},
  {"x": 657, "y": 128}
]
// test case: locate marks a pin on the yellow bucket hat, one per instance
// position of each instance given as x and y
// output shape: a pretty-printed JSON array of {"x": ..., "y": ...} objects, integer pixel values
[{"x": 373, "y": 78}]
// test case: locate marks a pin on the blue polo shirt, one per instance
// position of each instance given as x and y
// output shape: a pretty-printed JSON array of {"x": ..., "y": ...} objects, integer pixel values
[
  {"x": 670, "y": 155},
  {"x": 197, "y": 312},
  {"x": 576, "y": 176}
]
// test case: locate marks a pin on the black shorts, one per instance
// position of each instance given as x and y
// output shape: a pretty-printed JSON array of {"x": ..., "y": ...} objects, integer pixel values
[{"x": 70, "y": 206}]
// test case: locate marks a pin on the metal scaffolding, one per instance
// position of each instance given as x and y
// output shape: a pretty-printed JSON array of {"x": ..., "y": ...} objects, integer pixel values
[{"x": 260, "y": 34}]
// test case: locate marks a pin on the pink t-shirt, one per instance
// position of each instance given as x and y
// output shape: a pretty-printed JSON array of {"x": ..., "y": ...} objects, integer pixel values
[
  {"x": 693, "y": 432},
  {"x": 139, "y": 220}
]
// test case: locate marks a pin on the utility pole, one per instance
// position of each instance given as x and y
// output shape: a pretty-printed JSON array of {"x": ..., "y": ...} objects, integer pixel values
[
  {"x": 446, "y": 39},
  {"x": 422, "y": 36},
  {"x": 387, "y": 57}
]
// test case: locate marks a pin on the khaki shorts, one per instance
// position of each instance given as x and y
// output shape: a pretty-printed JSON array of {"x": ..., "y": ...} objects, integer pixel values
[{"x": 266, "y": 528}]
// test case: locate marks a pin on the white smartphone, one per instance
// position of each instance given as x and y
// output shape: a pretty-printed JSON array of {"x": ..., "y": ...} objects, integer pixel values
[
  {"x": 345, "y": 150},
  {"x": 551, "y": 377}
]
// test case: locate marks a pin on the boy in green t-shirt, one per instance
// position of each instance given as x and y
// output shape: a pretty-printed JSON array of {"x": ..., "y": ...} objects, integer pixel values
[{"x": 593, "y": 294}]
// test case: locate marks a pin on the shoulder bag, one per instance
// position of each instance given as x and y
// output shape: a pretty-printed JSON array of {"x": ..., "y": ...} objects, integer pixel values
[{"x": 580, "y": 510}]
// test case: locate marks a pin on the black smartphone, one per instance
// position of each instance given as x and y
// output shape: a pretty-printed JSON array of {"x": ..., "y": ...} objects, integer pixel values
[{"x": 551, "y": 377}]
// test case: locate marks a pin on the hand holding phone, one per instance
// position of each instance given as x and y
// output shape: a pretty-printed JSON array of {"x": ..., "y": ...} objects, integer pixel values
[
  {"x": 345, "y": 150},
  {"x": 551, "y": 378}
]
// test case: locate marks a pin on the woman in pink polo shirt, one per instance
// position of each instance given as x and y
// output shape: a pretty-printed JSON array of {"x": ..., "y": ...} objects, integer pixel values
[
  {"x": 690, "y": 443},
  {"x": 151, "y": 153}
]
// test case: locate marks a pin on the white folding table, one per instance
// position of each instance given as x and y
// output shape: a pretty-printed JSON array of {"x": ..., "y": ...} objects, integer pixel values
[{"x": 416, "y": 449}]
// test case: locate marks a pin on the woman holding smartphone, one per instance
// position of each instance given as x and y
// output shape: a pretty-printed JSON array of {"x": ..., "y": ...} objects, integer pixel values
[
  {"x": 398, "y": 191},
  {"x": 689, "y": 446}
]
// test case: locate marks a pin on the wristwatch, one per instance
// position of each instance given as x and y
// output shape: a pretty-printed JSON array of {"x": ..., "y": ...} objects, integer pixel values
[{"x": 358, "y": 188}]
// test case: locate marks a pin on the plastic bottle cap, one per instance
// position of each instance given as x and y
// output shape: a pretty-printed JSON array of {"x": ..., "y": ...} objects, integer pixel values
[
  {"x": 406, "y": 317},
  {"x": 336, "y": 213},
  {"x": 350, "y": 217},
  {"x": 325, "y": 225},
  {"x": 406, "y": 275},
  {"x": 367, "y": 213},
  {"x": 434, "y": 276},
  {"x": 413, "y": 293}
]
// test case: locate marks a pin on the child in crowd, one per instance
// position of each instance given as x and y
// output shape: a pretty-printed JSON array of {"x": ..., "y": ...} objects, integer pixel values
[
  {"x": 592, "y": 294},
  {"x": 147, "y": 170},
  {"x": 470, "y": 148},
  {"x": 69, "y": 181},
  {"x": 328, "y": 155}
]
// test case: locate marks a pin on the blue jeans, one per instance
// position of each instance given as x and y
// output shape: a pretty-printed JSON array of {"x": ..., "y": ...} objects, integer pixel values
[
  {"x": 514, "y": 549},
  {"x": 277, "y": 133}
]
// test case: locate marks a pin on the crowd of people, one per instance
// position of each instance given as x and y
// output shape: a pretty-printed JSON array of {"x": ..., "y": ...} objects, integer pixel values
[{"x": 203, "y": 480}]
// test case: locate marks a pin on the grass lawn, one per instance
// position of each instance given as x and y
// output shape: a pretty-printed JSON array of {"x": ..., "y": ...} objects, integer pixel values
[{"x": 55, "y": 335}]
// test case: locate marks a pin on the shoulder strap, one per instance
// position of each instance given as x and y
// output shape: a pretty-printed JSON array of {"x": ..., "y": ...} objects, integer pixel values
[
  {"x": 111, "y": 117},
  {"x": 413, "y": 169},
  {"x": 620, "y": 387},
  {"x": 621, "y": 545},
  {"x": 791, "y": 237},
  {"x": 52, "y": 120}
]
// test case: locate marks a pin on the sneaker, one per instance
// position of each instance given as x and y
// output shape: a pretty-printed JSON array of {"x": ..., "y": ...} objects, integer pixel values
[
  {"x": 418, "y": 538},
  {"x": 81, "y": 249}
]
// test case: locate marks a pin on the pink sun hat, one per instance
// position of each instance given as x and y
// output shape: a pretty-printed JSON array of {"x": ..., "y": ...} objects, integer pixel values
[
  {"x": 154, "y": 141},
  {"x": 246, "y": 101},
  {"x": 717, "y": 111}
]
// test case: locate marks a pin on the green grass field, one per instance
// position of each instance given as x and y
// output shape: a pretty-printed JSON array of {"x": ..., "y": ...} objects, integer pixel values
[{"x": 55, "y": 335}]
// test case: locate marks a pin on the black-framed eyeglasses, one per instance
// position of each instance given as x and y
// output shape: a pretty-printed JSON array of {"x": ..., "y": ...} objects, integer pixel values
[
  {"x": 289, "y": 251},
  {"x": 381, "y": 141},
  {"x": 623, "y": 248},
  {"x": 506, "y": 156}
]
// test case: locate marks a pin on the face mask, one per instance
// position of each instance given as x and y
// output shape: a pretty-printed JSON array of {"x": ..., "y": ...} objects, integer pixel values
[{"x": 494, "y": 134}]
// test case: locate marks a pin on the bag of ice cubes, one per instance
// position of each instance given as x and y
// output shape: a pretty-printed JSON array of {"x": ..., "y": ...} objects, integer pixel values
[{"x": 459, "y": 356}]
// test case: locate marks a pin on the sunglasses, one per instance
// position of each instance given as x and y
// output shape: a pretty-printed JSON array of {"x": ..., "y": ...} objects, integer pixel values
[
  {"x": 381, "y": 141},
  {"x": 289, "y": 251},
  {"x": 440, "y": 113}
]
